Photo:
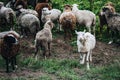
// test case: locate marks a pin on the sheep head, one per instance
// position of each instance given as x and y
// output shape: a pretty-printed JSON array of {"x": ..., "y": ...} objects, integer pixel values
[
  {"x": 1, "y": 4},
  {"x": 75, "y": 5},
  {"x": 107, "y": 10},
  {"x": 67, "y": 7},
  {"x": 109, "y": 4},
  {"x": 45, "y": 11},
  {"x": 49, "y": 24},
  {"x": 80, "y": 36}
]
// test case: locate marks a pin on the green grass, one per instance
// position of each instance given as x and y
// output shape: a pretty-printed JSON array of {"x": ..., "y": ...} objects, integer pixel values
[{"x": 64, "y": 69}]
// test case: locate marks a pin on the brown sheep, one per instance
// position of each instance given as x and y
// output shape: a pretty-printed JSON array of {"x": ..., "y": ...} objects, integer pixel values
[
  {"x": 9, "y": 47},
  {"x": 68, "y": 21},
  {"x": 21, "y": 2}
]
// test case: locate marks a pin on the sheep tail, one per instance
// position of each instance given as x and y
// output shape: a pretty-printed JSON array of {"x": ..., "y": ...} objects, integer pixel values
[
  {"x": 93, "y": 24},
  {"x": 94, "y": 21}
]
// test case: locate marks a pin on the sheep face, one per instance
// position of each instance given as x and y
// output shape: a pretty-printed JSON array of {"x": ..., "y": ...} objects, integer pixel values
[
  {"x": 67, "y": 7},
  {"x": 9, "y": 39},
  {"x": 45, "y": 11},
  {"x": 80, "y": 36},
  {"x": 107, "y": 10}
]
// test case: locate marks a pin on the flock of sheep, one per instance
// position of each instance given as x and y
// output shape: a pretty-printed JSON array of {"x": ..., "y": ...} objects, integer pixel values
[{"x": 40, "y": 22}]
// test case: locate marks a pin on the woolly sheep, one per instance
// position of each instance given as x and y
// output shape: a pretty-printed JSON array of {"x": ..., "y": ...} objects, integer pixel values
[
  {"x": 28, "y": 23},
  {"x": 9, "y": 47},
  {"x": 85, "y": 17},
  {"x": 113, "y": 21},
  {"x": 44, "y": 38},
  {"x": 85, "y": 43},
  {"x": 67, "y": 21},
  {"x": 7, "y": 14},
  {"x": 102, "y": 18}
]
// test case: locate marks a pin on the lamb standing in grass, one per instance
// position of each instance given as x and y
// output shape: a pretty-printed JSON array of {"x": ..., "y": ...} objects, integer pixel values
[
  {"x": 85, "y": 43},
  {"x": 44, "y": 38}
]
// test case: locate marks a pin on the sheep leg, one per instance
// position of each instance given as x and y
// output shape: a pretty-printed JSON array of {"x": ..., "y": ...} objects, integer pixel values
[
  {"x": 94, "y": 30},
  {"x": 87, "y": 59},
  {"x": 83, "y": 59},
  {"x": 36, "y": 51},
  {"x": 91, "y": 56},
  {"x": 13, "y": 63},
  {"x": 89, "y": 28},
  {"x": 80, "y": 53},
  {"x": 7, "y": 65},
  {"x": 65, "y": 34},
  {"x": 49, "y": 48}
]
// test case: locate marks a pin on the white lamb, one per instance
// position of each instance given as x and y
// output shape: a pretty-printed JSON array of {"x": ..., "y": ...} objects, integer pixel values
[
  {"x": 85, "y": 43},
  {"x": 85, "y": 17}
]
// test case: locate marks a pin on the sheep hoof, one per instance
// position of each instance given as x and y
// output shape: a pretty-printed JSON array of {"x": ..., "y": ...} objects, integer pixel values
[
  {"x": 88, "y": 69},
  {"x": 81, "y": 62},
  {"x": 21, "y": 36},
  {"x": 110, "y": 42},
  {"x": 13, "y": 70},
  {"x": 16, "y": 66}
]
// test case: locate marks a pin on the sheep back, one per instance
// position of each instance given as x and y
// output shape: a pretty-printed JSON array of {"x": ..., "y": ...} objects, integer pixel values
[
  {"x": 31, "y": 22},
  {"x": 68, "y": 17}
]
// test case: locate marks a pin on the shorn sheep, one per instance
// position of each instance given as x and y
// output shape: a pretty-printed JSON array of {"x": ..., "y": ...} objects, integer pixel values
[
  {"x": 85, "y": 17},
  {"x": 85, "y": 43},
  {"x": 102, "y": 18},
  {"x": 44, "y": 38},
  {"x": 67, "y": 21},
  {"x": 28, "y": 23},
  {"x": 9, "y": 47},
  {"x": 113, "y": 21},
  {"x": 7, "y": 15}
]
